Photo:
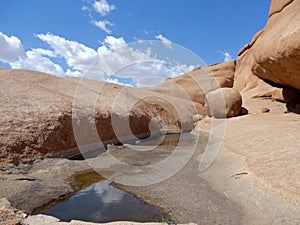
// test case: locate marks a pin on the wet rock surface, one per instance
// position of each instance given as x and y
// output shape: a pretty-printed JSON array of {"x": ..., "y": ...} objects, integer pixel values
[
  {"x": 48, "y": 179},
  {"x": 41, "y": 182}
]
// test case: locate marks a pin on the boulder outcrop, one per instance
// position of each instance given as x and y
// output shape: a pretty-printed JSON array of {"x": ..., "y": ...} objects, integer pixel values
[
  {"x": 223, "y": 103},
  {"x": 36, "y": 113},
  {"x": 274, "y": 53},
  {"x": 196, "y": 84}
]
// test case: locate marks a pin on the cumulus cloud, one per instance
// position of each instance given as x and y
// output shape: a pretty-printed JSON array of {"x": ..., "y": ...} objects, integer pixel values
[
  {"x": 117, "y": 58},
  {"x": 11, "y": 48},
  {"x": 164, "y": 40},
  {"x": 102, "y": 7},
  {"x": 114, "y": 61},
  {"x": 77, "y": 55},
  {"x": 44, "y": 52},
  {"x": 111, "y": 43},
  {"x": 33, "y": 60},
  {"x": 115, "y": 54},
  {"x": 12, "y": 52},
  {"x": 102, "y": 24},
  {"x": 71, "y": 73},
  {"x": 227, "y": 56}
]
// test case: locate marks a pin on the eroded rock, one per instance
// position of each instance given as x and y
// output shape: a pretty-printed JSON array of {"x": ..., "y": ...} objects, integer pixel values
[
  {"x": 36, "y": 113},
  {"x": 274, "y": 54},
  {"x": 223, "y": 103}
]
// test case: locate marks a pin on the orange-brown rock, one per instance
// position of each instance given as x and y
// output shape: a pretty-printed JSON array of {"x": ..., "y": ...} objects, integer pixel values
[
  {"x": 223, "y": 103},
  {"x": 246, "y": 81},
  {"x": 286, "y": 94},
  {"x": 197, "y": 83},
  {"x": 36, "y": 113},
  {"x": 274, "y": 53},
  {"x": 278, "y": 5}
]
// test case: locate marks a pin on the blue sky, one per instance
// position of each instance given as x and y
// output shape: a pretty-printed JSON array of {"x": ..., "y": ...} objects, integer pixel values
[{"x": 63, "y": 36}]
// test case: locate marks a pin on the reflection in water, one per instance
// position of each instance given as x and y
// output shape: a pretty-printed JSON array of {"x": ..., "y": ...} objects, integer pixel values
[
  {"x": 107, "y": 193},
  {"x": 102, "y": 202}
]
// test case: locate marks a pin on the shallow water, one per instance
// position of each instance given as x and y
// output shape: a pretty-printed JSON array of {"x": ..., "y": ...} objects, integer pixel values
[
  {"x": 98, "y": 201},
  {"x": 102, "y": 202}
]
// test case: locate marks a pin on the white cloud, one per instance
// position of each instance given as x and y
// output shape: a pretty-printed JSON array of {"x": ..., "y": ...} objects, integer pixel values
[
  {"x": 44, "y": 52},
  {"x": 151, "y": 72},
  {"x": 115, "y": 57},
  {"x": 102, "y": 24},
  {"x": 116, "y": 81},
  {"x": 227, "y": 56},
  {"x": 35, "y": 61},
  {"x": 112, "y": 42},
  {"x": 78, "y": 56},
  {"x": 114, "y": 61},
  {"x": 11, "y": 48},
  {"x": 85, "y": 8},
  {"x": 71, "y": 73},
  {"x": 164, "y": 40},
  {"x": 102, "y": 7},
  {"x": 115, "y": 54},
  {"x": 12, "y": 52}
]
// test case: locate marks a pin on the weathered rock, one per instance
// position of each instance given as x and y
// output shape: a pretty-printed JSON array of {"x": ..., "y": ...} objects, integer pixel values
[
  {"x": 10, "y": 215},
  {"x": 265, "y": 110},
  {"x": 286, "y": 94},
  {"x": 49, "y": 220},
  {"x": 223, "y": 102},
  {"x": 36, "y": 113},
  {"x": 274, "y": 53},
  {"x": 42, "y": 219},
  {"x": 244, "y": 111},
  {"x": 246, "y": 81},
  {"x": 278, "y": 5},
  {"x": 195, "y": 84}
]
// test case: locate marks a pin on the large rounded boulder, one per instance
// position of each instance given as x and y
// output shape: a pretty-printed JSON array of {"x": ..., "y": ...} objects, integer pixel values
[{"x": 223, "y": 103}]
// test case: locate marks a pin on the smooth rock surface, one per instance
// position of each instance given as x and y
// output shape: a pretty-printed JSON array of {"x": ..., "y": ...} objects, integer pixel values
[
  {"x": 196, "y": 83},
  {"x": 36, "y": 114},
  {"x": 223, "y": 103},
  {"x": 274, "y": 54}
]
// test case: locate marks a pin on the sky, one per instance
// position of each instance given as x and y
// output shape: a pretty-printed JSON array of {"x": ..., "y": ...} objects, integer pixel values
[{"x": 68, "y": 37}]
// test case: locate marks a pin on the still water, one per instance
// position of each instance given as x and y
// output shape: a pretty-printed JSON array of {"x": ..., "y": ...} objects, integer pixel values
[
  {"x": 98, "y": 201},
  {"x": 101, "y": 203}
]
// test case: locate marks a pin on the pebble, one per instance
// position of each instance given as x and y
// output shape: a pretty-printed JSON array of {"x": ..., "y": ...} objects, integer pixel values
[{"x": 265, "y": 110}]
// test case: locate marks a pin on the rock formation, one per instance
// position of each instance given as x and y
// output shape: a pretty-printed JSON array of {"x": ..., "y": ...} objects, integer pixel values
[
  {"x": 37, "y": 117},
  {"x": 36, "y": 113},
  {"x": 223, "y": 103},
  {"x": 197, "y": 83},
  {"x": 273, "y": 54}
]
